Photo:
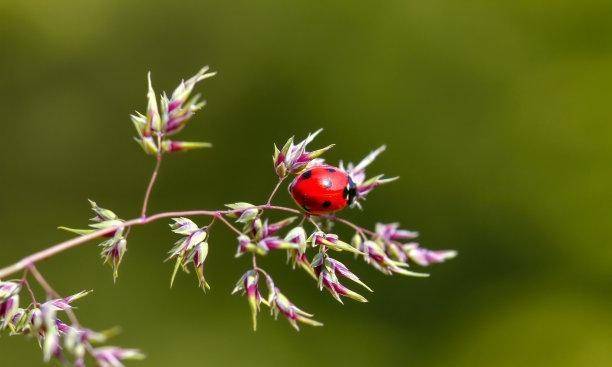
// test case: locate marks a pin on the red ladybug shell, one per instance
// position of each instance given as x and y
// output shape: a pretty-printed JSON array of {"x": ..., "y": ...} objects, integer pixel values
[{"x": 323, "y": 189}]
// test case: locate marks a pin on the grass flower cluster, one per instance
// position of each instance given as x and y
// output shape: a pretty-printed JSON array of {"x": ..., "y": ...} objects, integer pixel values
[{"x": 307, "y": 239}]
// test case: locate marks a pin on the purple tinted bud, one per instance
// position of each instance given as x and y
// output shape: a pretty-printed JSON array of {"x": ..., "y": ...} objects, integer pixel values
[
  {"x": 51, "y": 347},
  {"x": 245, "y": 212},
  {"x": 294, "y": 158},
  {"x": 254, "y": 297},
  {"x": 426, "y": 257},
  {"x": 114, "y": 356},
  {"x": 244, "y": 244},
  {"x": 8, "y": 289},
  {"x": 200, "y": 252},
  {"x": 357, "y": 172},
  {"x": 64, "y": 328},
  {"x": 174, "y": 105},
  {"x": 36, "y": 319},
  {"x": 183, "y": 226},
  {"x": 112, "y": 253},
  {"x": 177, "y": 122},
  {"x": 358, "y": 175},
  {"x": 279, "y": 304},
  {"x": 248, "y": 284},
  {"x": 251, "y": 284},
  {"x": 172, "y": 146},
  {"x": 8, "y": 308},
  {"x": 321, "y": 238},
  {"x": 332, "y": 241},
  {"x": 376, "y": 256},
  {"x": 395, "y": 251},
  {"x": 271, "y": 243},
  {"x": 18, "y": 315},
  {"x": 275, "y": 243},
  {"x": 191, "y": 248},
  {"x": 297, "y": 235},
  {"x": 392, "y": 232},
  {"x": 325, "y": 268},
  {"x": 271, "y": 229},
  {"x": 341, "y": 269},
  {"x": 62, "y": 304},
  {"x": 177, "y": 110}
]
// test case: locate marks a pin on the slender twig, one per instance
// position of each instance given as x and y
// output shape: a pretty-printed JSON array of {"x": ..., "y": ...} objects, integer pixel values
[
  {"x": 29, "y": 261},
  {"x": 212, "y": 221},
  {"x": 265, "y": 273},
  {"x": 352, "y": 225},
  {"x": 228, "y": 224},
  {"x": 143, "y": 212},
  {"x": 42, "y": 281},
  {"x": 24, "y": 281},
  {"x": 314, "y": 223},
  {"x": 77, "y": 241},
  {"x": 278, "y": 185},
  {"x": 51, "y": 292}
]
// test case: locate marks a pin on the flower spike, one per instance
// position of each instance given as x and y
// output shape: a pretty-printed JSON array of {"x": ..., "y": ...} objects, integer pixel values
[
  {"x": 248, "y": 284},
  {"x": 376, "y": 256},
  {"x": 425, "y": 257},
  {"x": 326, "y": 268},
  {"x": 358, "y": 175},
  {"x": 176, "y": 111},
  {"x": 280, "y": 304},
  {"x": 332, "y": 241},
  {"x": 8, "y": 289},
  {"x": 192, "y": 248},
  {"x": 294, "y": 158},
  {"x": 114, "y": 356},
  {"x": 115, "y": 247}
]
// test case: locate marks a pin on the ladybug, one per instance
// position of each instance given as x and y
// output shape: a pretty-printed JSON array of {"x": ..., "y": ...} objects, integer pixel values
[{"x": 323, "y": 189}]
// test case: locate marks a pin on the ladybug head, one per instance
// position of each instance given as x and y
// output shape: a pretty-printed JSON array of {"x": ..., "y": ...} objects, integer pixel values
[{"x": 350, "y": 191}]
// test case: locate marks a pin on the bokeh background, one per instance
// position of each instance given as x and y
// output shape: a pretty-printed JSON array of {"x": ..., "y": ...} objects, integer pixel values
[{"x": 497, "y": 117}]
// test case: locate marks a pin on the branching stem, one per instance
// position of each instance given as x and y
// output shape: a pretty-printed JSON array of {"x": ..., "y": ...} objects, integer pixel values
[
  {"x": 24, "y": 281},
  {"x": 278, "y": 185},
  {"x": 228, "y": 224},
  {"x": 359, "y": 229},
  {"x": 50, "y": 291},
  {"x": 53, "y": 250},
  {"x": 145, "y": 203},
  {"x": 27, "y": 263}
]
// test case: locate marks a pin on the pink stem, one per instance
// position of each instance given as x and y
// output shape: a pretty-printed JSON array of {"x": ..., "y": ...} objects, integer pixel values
[
  {"x": 152, "y": 181},
  {"x": 278, "y": 184},
  {"x": 51, "y": 292},
  {"x": 352, "y": 225},
  {"x": 28, "y": 261}
]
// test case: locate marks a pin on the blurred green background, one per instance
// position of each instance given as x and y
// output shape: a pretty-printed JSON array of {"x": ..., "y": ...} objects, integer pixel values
[{"x": 497, "y": 117}]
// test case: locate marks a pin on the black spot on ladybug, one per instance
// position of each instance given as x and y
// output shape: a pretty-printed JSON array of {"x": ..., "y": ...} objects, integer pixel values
[
  {"x": 331, "y": 170},
  {"x": 326, "y": 204},
  {"x": 326, "y": 183},
  {"x": 306, "y": 175}
]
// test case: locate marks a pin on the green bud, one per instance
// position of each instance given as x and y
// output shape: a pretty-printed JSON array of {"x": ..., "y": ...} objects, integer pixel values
[
  {"x": 153, "y": 118},
  {"x": 76, "y": 230},
  {"x": 317, "y": 153}
]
